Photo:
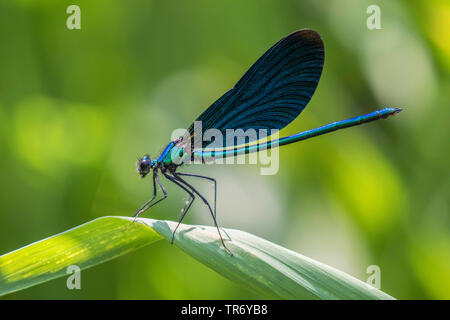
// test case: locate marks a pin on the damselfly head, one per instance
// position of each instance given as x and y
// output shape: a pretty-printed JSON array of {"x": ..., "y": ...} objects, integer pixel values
[{"x": 144, "y": 165}]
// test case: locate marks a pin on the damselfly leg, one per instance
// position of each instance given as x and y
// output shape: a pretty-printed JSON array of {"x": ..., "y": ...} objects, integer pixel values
[
  {"x": 148, "y": 204},
  {"x": 181, "y": 180},
  {"x": 215, "y": 190},
  {"x": 186, "y": 207},
  {"x": 206, "y": 178}
]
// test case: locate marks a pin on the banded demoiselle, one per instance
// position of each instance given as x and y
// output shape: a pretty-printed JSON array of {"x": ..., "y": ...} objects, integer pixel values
[{"x": 270, "y": 95}]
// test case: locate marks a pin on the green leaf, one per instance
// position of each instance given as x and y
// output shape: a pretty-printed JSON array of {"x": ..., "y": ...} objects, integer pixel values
[
  {"x": 87, "y": 245},
  {"x": 256, "y": 263}
]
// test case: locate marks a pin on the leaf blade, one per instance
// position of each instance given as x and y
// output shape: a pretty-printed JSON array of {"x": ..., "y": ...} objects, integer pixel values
[
  {"x": 89, "y": 244},
  {"x": 265, "y": 267},
  {"x": 268, "y": 268}
]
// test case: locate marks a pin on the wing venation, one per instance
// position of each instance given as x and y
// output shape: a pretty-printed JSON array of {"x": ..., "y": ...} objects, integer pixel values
[{"x": 273, "y": 92}]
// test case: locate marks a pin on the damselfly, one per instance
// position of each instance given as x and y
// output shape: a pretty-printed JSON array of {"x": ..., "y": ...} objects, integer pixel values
[{"x": 270, "y": 95}]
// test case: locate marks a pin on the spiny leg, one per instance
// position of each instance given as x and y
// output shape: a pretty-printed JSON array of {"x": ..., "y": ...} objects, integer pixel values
[
  {"x": 153, "y": 197},
  {"x": 207, "y": 178},
  {"x": 215, "y": 190},
  {"x": 207, "y": 203},
  {"x": 183, "y": 213},
  {"x": 147, "y": 206},
  {"x": 186, "y": 208}
]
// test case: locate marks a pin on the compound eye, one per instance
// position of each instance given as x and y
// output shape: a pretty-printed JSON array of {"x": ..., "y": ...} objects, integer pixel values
[{"x": 144, "y": 165}]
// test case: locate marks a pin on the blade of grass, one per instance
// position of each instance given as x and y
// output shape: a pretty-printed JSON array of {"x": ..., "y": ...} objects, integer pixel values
[
  {"x": 87, "y": 245},
  {"x": 267, "y": 268},
  {"x": 257, "y": 263}
]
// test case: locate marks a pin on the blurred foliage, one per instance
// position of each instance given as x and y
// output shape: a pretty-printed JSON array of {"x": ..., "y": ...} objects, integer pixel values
[{"x": 77, "y": 107}]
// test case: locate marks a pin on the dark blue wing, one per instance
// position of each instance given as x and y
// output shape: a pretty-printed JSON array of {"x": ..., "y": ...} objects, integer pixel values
[{"x": 274, "y": 91}]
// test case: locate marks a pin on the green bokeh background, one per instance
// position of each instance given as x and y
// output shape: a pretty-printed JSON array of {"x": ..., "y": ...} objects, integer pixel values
[{"x": 78, "y": 106}]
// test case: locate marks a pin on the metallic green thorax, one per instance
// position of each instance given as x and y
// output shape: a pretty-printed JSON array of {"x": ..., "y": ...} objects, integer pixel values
[{"x": 176, "y": 155}]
